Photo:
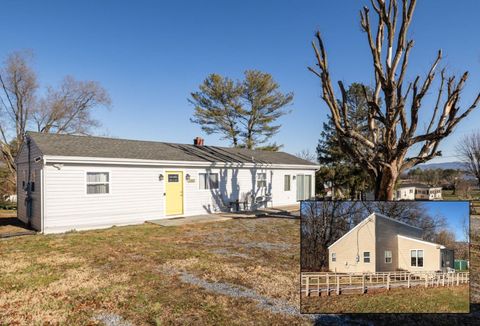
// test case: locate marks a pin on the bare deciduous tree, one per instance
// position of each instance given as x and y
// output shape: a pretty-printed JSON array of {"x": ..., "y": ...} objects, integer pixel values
[
  {"x": 67, "y": 109},
  {"x": 386, "y": 149},
  {"x": 469, "y": 150},
  {"x": 307, "y": 155}
]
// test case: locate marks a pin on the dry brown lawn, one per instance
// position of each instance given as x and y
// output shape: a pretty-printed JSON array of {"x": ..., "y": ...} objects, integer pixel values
[{"x": 240, "y": 272}]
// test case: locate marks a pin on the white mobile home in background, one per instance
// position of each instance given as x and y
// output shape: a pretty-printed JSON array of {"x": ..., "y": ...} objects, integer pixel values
[
  {"x": 418, "y": 191},
  {"x": 69, "y": 182}
]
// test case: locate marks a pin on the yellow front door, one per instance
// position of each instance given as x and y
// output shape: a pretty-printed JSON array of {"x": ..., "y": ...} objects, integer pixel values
[{"x": 174, "y": 193}]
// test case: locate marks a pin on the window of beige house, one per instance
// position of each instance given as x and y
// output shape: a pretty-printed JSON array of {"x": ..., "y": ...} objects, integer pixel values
[
  {"x": 388, "y": 256},
  {"x": 416, "y": 258},
  {"x": 334, "y": 256},
  {"x": 366, "y": 256}
]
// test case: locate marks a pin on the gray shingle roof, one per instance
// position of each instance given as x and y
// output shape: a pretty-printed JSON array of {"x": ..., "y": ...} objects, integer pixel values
[
  {"x": 89, "y": 146},
  {"x": 416, "y": 185}
]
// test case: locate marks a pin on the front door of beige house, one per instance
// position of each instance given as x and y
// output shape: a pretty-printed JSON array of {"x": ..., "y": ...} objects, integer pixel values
[
  {"x": 174, "y": 193},
  {"x": 304, "y": 186}
]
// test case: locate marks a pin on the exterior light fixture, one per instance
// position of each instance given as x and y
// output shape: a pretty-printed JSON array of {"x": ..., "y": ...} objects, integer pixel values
[
  {"x": 294, "y": 177},
  {"x": 187, "y": 177},
  {"x": 160, "y": 177}
]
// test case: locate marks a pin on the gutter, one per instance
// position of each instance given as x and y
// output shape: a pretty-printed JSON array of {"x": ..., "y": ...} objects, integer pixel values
[
  {"x": 141, "y": 162},
  {"x": 42, "y": 187}
]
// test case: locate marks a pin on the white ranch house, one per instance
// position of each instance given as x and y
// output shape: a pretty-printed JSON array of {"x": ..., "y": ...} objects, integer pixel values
[{"x": 67, "y": 182}]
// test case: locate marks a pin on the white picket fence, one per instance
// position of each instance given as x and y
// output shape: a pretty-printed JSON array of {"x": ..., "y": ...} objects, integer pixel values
[{"x": 327, "y": 283}]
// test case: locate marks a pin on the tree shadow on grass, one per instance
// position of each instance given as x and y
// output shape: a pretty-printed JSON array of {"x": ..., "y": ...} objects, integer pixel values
[{"x": 12, "y": 226}]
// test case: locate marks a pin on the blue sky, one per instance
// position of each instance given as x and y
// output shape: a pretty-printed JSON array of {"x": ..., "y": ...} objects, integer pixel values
[
  {"x": 454, "y": 213},
  {"x": 150, "y": 55}
]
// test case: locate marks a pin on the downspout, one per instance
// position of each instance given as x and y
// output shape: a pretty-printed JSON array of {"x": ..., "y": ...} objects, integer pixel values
[
  {"x": 28, "y": 198},
  {"x": 42, "y": 189}
]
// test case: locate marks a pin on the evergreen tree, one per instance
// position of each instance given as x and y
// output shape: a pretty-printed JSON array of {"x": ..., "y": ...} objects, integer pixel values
[
  {"x": 338, "y": 170},
  {"x": 244, "y": 112}
]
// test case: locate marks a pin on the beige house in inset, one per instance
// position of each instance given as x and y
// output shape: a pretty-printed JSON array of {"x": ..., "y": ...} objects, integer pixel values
[{"x": 382, "y": 244}]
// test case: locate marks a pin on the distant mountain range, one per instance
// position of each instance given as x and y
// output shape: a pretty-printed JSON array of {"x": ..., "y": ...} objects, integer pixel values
[{"x": 444, "y": 165}]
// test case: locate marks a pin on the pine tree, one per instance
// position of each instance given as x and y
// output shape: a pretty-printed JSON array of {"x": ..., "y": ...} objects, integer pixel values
[
  {"x": 338, "y": 169},
  {"x": 244, "y": 112}
]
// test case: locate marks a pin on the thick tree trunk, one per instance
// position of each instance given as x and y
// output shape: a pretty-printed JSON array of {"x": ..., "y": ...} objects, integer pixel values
[{"x": 385, "y": 184}]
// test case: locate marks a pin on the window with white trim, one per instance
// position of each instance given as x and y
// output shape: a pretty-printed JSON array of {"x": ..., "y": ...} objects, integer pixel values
[
  {"x": 208, "y": 180},
  {"x": 388, "y": 256},
  {"x": 286, "y": 184},
  {"x": 261, "y": 180},
  {"x": 98, "y": 183},
  {"x": 416, "y": 258},
  {"x": 334, "y": 256},
  {"x": 366, "y": 256}
]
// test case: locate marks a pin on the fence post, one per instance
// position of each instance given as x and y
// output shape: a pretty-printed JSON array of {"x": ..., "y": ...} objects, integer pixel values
[
  {"x": 363, "y": 283},
  {"x": 408, "y": 281},
  {"x": 338, "y": 285},
  {"x": 318, "y": 285},
  {"x": 443, "y": 279},
  {"x": 328, "y": 285},
  {"x": 307, "y": 279},
  {"x": 350, "y": 276},
  {"x": 388, "y": 281},
  {"x": 426, "y": 280}
]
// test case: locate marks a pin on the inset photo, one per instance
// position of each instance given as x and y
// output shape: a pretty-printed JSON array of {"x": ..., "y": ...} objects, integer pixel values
[{"x": 385, "y": 257}]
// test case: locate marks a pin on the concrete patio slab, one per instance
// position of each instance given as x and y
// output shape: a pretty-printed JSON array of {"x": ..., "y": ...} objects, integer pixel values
[
  {"x": 206, "y": 218},
  {"x": 291, "y": 211}
]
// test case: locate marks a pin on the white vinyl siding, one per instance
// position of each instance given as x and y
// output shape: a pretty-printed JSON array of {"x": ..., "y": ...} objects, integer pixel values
[
  {"x": 98, "y": 183},
  {"x": 136, "y": 193}
]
